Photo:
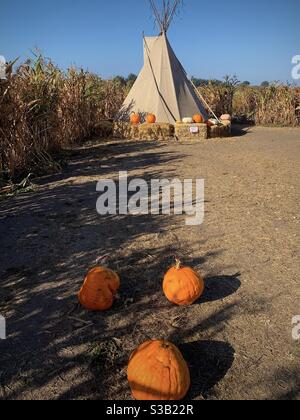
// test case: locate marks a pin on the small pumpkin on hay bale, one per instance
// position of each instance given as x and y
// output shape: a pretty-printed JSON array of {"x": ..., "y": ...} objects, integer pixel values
[
  {"x": 135, "y": 118},
  {"x": 150, "y": 119},
  {"x": 198, "y": 119},
  {"x": 225, "y": 117}
]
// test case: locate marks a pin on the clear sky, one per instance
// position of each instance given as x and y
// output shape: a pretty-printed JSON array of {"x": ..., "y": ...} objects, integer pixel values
[{"x": 255, "y": 40}]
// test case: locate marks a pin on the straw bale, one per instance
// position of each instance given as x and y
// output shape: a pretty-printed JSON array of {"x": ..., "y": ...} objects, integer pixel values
[
  {"x": 222, "y": 130},
  {"x": 158, "y": 131},
  {"x": 184, "y": 133},
  {"x": 125, "y": 130}
]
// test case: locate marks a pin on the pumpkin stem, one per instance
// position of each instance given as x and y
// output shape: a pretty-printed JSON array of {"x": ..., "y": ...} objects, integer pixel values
[
  {"x": 178, "y": 263},
  {"x": 165, "y": 344}
]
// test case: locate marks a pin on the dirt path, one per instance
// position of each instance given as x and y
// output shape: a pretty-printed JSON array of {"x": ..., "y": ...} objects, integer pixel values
[{"x": 237, "y": 338}]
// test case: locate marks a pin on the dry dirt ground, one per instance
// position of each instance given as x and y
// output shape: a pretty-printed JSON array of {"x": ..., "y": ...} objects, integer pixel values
[{"x": 237, "y": 338}]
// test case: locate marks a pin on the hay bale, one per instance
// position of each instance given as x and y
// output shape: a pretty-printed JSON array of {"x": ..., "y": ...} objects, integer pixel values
[
  {"x": 214, "y": 131},
  {"x": 226, "y": 129},
  {"x": 148, "y": 132},
  {"x": 157, "y": 131},
  {"x": 224, "y": 132},
  {"x": 121, "y": 130},
  {"x": 220, "y": 131},
  {"x": 191, "y": 132},
  {"x": 134, "y": 132},
  {"x": 125, "y": 130}
]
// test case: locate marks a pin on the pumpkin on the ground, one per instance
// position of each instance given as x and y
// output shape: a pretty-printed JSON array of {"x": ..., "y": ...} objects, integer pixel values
[
  {"x": 99, "y": 289},
  {"x": 182, "y": 285},
  {"x": 151, "y": 119},
  {"x": 157, "y": 371},
  {"x": 198, "y": 119},
  {"x": 135, "y": 118}
]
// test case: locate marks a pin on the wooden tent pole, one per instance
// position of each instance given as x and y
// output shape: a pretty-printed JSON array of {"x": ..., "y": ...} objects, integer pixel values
[
  {"x": 203, "y": 100},
  {"x": 176, "y": 4},
  {"x": 156, "y": 14}
]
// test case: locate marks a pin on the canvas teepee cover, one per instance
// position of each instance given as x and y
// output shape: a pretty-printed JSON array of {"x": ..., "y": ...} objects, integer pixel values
[{"x": 162, "y": 88}]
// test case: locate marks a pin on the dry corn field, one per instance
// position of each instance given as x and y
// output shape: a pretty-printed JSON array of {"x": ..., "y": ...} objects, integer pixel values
[
  {"x": 44, "y": 110},
  {"x": 276, "y": 105}
]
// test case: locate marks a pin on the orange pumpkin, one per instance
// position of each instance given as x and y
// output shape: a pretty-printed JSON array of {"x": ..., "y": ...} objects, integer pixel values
[
  {"x": 157, "y": 371},
  {"x": 182, "y": 285},
  {"x": 99, "y": 289},
  {"x": 135, "y": 118},
  {"x": 198, "y": 119},
  {"x": 151, "y": 119}
]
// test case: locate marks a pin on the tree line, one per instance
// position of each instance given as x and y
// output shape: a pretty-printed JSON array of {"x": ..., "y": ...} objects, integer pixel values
[{"x": 198, "y": 82}]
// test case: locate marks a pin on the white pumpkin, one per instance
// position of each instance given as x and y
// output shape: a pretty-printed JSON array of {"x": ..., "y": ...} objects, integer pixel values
[
  {"x": 187, "y": 120},
  {"x": 225, "y": 117},
  {"x": 214, "y": 121}
]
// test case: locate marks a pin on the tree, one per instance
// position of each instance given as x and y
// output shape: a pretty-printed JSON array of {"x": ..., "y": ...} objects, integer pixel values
[
  {"x": 120, "y": 80},
  {"x": 199, "y": 82},
  {"x": 231, "y": 81},
  {"x": 130, "y": 80},
  {"x": 265, "y": 84},
  {"x": 245, "y": 83}
]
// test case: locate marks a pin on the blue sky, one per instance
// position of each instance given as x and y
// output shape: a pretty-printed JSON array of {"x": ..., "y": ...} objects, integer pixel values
[{"x": 255, "y": 40}]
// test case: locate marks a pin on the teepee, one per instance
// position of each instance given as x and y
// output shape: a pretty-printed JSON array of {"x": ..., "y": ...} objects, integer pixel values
[{"x": 162, "y": 87}]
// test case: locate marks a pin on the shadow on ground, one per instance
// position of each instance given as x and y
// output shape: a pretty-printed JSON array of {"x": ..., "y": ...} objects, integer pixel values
[
  {"x": 219, "y": 287},
  {"x": 240, "y": 130},
  {"x": 209, "y": 362}
]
